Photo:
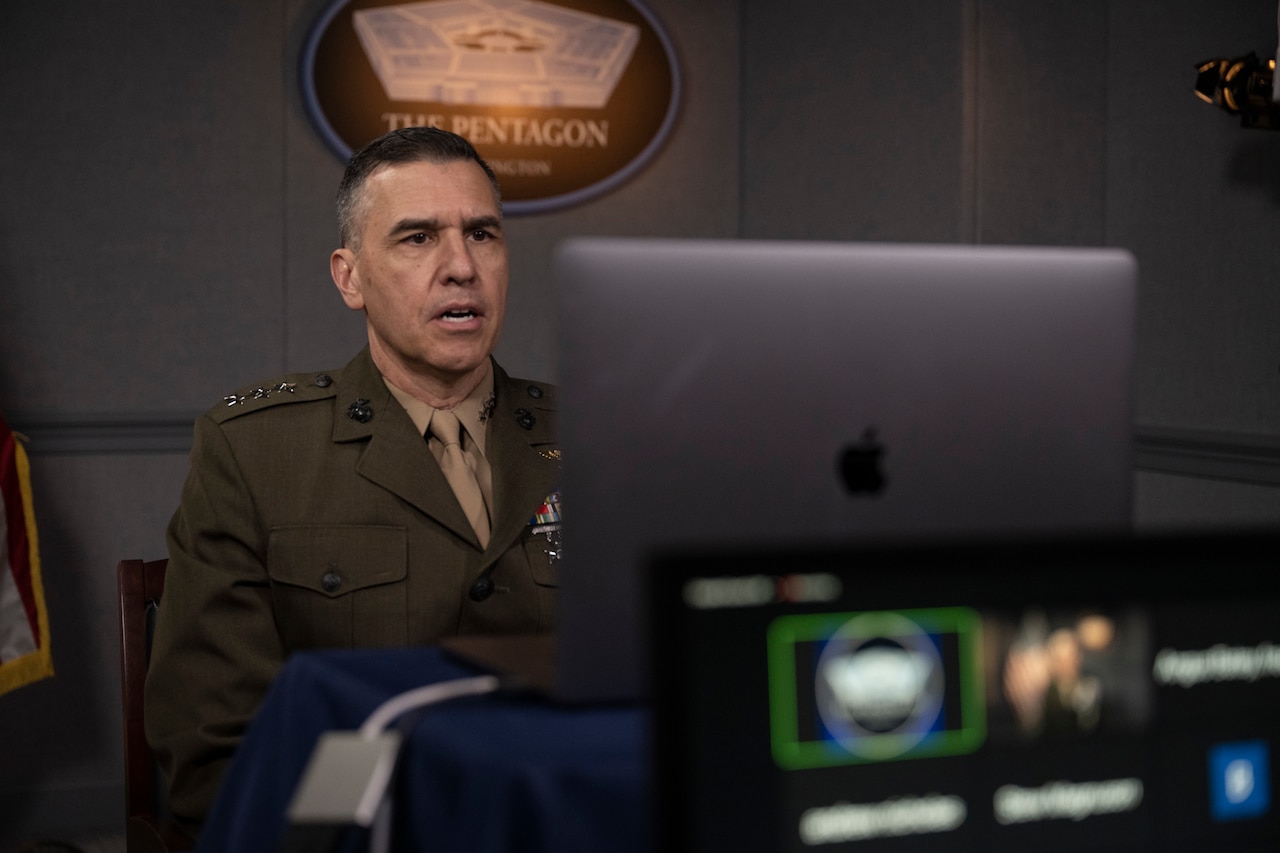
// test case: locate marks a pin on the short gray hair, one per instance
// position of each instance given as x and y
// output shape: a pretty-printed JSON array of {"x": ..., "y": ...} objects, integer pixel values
[{"x": 407, "y": 145}]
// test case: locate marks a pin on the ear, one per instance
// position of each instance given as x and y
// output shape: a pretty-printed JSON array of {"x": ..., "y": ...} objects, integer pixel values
[{"x": 342, "y": 266}]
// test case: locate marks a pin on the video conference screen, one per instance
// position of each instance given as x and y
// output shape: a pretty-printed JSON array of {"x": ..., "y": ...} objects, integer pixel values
[{"x": 1047, "y": 696}]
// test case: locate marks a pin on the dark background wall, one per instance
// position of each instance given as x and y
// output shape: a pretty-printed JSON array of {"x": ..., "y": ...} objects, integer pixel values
[{"x": 166, "y": 221}]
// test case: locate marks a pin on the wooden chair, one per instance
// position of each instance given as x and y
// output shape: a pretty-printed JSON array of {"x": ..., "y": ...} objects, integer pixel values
[{"x": 140, "y": 585}]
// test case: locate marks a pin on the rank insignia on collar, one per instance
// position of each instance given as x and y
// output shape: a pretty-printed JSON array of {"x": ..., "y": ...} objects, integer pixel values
[{"x": 486, "y": 408}]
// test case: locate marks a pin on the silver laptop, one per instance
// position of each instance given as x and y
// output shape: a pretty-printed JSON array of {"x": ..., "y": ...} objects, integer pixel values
[{"x": 721, "y": 393}]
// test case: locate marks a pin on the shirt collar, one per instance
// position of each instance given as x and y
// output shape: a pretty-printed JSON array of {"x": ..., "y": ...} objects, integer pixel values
[{"x": 471, "y": 413}]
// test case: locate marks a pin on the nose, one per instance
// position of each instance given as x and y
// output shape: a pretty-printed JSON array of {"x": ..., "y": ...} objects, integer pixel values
[{"x": 456, "y": 263}]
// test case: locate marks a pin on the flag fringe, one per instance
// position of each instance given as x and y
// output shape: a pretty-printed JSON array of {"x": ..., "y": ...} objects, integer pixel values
[{"x": 38, "y": 664}]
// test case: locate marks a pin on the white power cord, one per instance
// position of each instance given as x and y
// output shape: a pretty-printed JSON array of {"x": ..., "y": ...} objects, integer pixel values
[
  {"x": 349, "y": 774},
  {"x": 397, "y": 706}
]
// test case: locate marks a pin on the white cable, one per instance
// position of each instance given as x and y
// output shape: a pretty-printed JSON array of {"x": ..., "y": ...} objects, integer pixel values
[
  {"x": 397, "y": 706},
  {"x": 390, "y": 711}
]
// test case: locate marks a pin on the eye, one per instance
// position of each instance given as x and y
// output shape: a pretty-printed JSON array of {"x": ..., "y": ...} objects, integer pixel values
[
  {"x": 480, "y": 235},
  {"x": 418, "y": 239}
]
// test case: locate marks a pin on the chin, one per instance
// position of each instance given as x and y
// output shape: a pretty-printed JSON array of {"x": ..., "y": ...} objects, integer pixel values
[{"x": 459, "y": 367}]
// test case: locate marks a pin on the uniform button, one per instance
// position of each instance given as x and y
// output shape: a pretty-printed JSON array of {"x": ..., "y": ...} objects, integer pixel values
[
  {"x": 332, "y": 582},
  {"x": 324, "y": 380},
  {"x": 535, "y": 392},
  {"x": 481, "y": 589},
  {"x": 525, "y": 418}
]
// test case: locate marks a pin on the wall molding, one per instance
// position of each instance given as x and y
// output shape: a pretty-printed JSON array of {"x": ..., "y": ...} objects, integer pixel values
[
  {"x": 104, "y": 434},
  {"x": 1228, "y": 456},
  {"x": 1235, "y": 457}
]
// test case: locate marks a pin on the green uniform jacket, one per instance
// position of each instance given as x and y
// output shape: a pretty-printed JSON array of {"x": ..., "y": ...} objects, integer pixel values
[{"x": 315, "y": 516}]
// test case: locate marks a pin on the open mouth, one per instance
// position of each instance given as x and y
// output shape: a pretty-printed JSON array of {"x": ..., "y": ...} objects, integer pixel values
[{"x": 462, "y": 315}]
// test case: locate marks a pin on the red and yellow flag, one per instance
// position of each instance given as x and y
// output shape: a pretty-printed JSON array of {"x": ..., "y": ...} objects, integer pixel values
[{"x": 24, "y": 623}]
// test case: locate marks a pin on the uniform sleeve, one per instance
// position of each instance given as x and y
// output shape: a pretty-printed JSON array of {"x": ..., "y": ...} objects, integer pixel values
[{"x": 216, "y": 648}]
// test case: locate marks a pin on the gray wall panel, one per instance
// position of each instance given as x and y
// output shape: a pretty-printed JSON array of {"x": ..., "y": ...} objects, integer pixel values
[
  {"x": 319, "y": 331},
  {"x": 1164, "y": 502},
  {"x": 1197, "y": 198},
  {"x": 853, "y": 120},
  {"x": 1041, "y": 122},
  {"x": 142, "y": 215}
]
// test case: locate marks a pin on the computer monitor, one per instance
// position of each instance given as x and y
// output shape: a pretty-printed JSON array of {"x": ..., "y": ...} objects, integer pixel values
[{"x": 1053, "y": 694}]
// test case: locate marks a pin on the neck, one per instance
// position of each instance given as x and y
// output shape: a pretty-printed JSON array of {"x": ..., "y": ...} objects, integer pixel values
[{"x": 438, "y": 391}]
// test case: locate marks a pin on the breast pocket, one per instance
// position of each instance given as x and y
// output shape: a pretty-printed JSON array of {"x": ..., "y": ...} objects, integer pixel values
[
  {"x": 541, "y": 540},
  {"x": 339, "y": 585},
  {"x": 543, "y": 550}
]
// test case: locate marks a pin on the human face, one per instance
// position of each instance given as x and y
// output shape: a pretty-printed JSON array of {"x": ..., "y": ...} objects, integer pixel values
[{"x": 430, "y": 271}]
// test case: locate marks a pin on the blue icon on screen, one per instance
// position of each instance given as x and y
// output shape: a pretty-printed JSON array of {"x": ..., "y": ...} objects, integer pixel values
[{"x": 1239, "y": 780}]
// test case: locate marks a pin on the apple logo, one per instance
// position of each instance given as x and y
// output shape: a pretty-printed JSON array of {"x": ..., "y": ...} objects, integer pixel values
[{"x": 860, "y": 465}]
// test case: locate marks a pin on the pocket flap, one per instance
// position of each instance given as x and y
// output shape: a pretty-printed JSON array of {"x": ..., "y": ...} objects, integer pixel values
[{"x": 336, "y": 559}]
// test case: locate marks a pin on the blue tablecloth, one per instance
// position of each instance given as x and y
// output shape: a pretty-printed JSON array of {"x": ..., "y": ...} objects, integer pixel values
[{"x": 489, "y": 773}]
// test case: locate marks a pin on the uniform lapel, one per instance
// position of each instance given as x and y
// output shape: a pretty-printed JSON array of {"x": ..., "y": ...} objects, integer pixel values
[
  {"x": 522, "y": 475},
  {"x": 396, "y": 457}
]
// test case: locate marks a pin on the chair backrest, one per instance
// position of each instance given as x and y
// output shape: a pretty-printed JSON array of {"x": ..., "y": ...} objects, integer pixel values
[{"x": 140, "y": 585}]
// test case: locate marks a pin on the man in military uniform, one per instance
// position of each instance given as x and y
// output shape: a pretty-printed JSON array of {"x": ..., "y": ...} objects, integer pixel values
[{"x": 397, "y": 501}]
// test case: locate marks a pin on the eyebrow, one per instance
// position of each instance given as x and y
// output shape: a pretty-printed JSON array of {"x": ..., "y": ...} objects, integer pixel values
[
  {"x": 415, "y": 225},
  {"x": 490, "y": 222},
  {"x": 432, "y": 225}
]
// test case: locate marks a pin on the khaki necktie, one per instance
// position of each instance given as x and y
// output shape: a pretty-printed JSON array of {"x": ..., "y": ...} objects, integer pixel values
[{"x": 457, "y": 470}]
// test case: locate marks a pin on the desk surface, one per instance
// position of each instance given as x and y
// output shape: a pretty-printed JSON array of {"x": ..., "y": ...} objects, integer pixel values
[{"x": 481, "y": 774}]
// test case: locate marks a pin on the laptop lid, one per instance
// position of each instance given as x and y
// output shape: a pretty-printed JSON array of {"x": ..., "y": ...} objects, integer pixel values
[
  {"x": 1044, "y": 695},
  {"x": 752, "y": 392}
]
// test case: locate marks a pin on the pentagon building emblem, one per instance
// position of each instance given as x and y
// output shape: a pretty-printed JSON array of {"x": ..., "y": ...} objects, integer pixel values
[
  {"x": 566, "y": 100},
  {"x": 495, "y": 53}
]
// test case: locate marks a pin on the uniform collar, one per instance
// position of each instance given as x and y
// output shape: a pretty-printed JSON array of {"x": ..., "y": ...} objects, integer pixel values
[{"x": 473, "y": 412}]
